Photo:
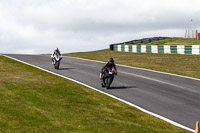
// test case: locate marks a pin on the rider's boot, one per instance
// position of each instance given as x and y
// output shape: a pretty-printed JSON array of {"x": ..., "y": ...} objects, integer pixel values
[
  {"x": 102, "y": 79},
  {"x": 52, "y": 61}
]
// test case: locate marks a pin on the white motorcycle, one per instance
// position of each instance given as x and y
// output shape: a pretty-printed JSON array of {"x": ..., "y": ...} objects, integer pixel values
[{"x": 56, "y": 61}]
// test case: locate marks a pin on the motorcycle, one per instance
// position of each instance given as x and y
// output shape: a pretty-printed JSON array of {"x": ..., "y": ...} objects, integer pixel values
[
  {"x": 57, "y": 60},
  {"x": 107, "y": 77}
]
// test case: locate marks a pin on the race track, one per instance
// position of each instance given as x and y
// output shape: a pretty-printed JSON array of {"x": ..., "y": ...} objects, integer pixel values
[{"x": 174, "y": 97}]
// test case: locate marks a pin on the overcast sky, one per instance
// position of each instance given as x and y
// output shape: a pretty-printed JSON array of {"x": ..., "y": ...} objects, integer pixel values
[{"x": 39, "y": 26}]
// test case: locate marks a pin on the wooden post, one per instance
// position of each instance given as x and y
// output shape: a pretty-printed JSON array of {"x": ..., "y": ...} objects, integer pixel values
[
  {"x": 192, "y": 34},
  {"x": 188, "y": 34},
  {"x": 185, "y": 34}
]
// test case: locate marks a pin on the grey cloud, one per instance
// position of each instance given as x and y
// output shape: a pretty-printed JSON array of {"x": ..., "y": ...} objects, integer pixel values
[{"x": 40, "y": 26}]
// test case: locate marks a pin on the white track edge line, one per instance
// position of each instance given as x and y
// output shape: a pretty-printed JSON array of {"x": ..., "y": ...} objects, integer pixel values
[
  {"x": 166, "y": 73},
  {"x": 131, "y": 104}
]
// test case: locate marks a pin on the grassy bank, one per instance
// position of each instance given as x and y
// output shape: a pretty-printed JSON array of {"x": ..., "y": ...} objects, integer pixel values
[
  {"x": 176, "y": 41},
  {"x": 187, "y": 65},
  {"x": 36, "y": 101}
]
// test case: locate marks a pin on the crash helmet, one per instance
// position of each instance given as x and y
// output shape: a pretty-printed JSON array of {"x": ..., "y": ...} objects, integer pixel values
[
  {"x": 111, "y": 60},
  {"x": 56, "y": 49}
]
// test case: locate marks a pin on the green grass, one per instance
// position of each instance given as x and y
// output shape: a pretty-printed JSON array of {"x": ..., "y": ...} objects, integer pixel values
[
  {"x": 32, "y": 100},
  {"x": 187, "y": 65},
  {"x": 176, "y": 41}
]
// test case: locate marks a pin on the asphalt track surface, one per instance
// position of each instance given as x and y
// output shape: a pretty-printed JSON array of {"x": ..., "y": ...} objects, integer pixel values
[{"x": 174, "y": 97}]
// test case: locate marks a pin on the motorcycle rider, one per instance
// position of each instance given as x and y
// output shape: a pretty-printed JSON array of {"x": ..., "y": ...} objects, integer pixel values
[
  {"x": 56, "y": 52},
  {"x": 103, "y": 71}
]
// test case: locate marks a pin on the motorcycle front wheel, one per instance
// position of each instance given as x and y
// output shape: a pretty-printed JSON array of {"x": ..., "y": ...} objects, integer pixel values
[{"x": 108, "y": 83}]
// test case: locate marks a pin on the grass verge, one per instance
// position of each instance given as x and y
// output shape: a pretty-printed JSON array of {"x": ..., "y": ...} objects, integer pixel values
[
  {"x": 187, "y": 65},
  {"x": 35, "y": 101},
  {"x": 176, "y": 41}
]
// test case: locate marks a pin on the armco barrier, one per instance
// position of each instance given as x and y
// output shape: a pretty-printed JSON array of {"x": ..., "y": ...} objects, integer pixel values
[
  {"x": 142, "y": 41},
  {"x": 167, "y": 49}
]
